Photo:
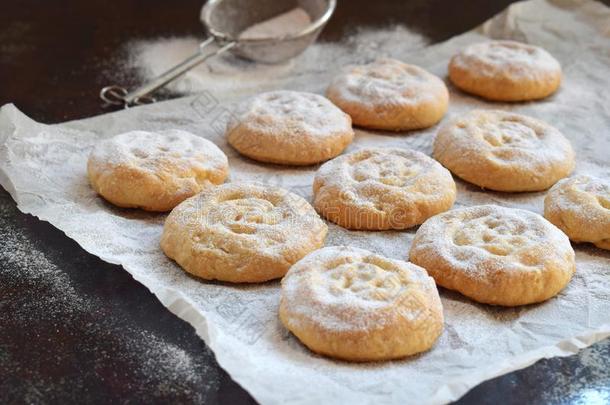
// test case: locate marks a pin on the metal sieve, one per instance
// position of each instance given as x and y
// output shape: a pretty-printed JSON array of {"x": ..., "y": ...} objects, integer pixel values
[{"x": 223, "y": 21}]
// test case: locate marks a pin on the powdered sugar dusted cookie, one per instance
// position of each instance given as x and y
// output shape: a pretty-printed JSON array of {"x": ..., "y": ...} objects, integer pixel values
[
  {"x": 580, "y": 207},
  {"x": 505, "y": 71},
  {"x": 382, "y": 188},
  {"x": 495, "y": 255},
  {"x": 242, "y": 233},
  {"x": 289, "y": 127},
  {"x": 154, "y": 171},
  {"x": 391, "y": 95},
  {"x": 504, "y": 151},
  {"x": 355, "y": 305}
]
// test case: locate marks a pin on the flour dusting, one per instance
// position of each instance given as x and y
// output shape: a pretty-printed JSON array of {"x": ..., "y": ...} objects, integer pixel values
[
  {"x": 228, "y": 73},
  {"x": 289, "y": 23},
  {"x": 69, "y": 315}
]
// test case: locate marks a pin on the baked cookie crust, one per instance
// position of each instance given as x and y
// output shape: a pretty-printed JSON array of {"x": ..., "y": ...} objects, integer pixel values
[
  {"x": 504, "y": 151},
  {"x": 390, "y": 95},
  {"x": 580, "y": 207},
  {"x": 290, "y": 128},
  {"x": 382, "y": 188},
  {"x": 155, "y": 171},
  {"x": 354, "y": 305},
  {"x": 505, "y": 71},
  {"x": 242, "y": 232},
  {"x": 495, "y": 255}
]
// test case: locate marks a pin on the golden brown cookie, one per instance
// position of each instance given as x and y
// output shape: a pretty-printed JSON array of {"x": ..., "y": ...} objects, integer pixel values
[
  {"x": 580, "y": 207},
  {"x": 391, "y": 95},
  {"x": 505, "y": 71},
  {"x": 354, "y": 305},
  {"x": 382, "y": 188},
  {"x": 155, "y": 171},
  {"x": 242, "y": 232},
  {"x": 504, "y": 151},
  {"x": 289, "y": 127},
  {"x": 495, "y": 255}
]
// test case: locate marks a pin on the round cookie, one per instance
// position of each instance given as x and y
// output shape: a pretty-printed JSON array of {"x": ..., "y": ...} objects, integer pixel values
[
  {"x": 580, "y": 207},
  {"x": 495, "y": 255},
  {"x": 242, "y": 233},
  {"x": 382, "y": 188},
  {"x": 289, "y": 127},
  {"x": 154, "y": 171},
  {"x": 505, "y": 71},
  {"x": 390, "y": 95},
  {"x": 354, "y": 305},
  {"x": 504, "y": 151}
]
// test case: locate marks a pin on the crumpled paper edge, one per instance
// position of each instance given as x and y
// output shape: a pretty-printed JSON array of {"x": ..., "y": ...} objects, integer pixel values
[{"x": 186, "y": 309}]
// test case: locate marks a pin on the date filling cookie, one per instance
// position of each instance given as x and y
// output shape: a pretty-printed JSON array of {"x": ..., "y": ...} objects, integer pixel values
[
  {"x": 504, "y": 151},
  {"x": 580, "y": 207},
  {"x": 382, "y": 188},
  {"x": 289, "y": 127},
  {"x": 155, "y": 171},
  {"x": 390, "y": 95},
  {"x": 495, "y": 255},
  {"x": 505, "y": 71},
  {"x": 354, "y": 305},
  {"x": 242, "y": 232}
]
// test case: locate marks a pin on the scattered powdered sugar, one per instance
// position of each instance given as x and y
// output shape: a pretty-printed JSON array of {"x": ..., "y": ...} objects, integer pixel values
[
  {"x": 68, "y": 316},
  {"x": 581, "y": 379},
  {"x": 229, "y": 74},
  {"x": 179, "y": 367},
  {"x": 289, "y": 23},
  {"x": 20, "y": 254}
]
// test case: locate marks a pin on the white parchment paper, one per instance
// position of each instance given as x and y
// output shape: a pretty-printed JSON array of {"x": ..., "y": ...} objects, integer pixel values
[{"x": 43, "y": 167}]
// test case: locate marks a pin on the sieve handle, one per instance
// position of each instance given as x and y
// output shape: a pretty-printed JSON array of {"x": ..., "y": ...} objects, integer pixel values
[{"x": 118, "y": 95}]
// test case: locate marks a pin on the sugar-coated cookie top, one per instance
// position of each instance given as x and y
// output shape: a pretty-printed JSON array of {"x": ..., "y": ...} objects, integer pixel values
[
  {"x": 386, "y": 82},
  {"x": 481, "y": 240},
  {"x": 342, "y": 288},
  {"x": 575, "y": 192},
  {"x": 249, "y": 216},
  {"x": 290, "y": 113},
  {"x": 506, "y": 138},
  {"x": 510, "y": 57},
  {"x": 154, "y": 150},
  {"x": 369, "y": 174},
  {"x": 580, "y": 206}
]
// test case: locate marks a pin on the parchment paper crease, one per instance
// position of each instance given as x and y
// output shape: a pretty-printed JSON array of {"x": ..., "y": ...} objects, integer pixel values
[{"x": 43, "y": 167}]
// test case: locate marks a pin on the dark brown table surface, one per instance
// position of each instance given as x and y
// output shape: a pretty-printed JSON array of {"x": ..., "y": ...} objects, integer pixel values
[{"x": 74, "y": 329}]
